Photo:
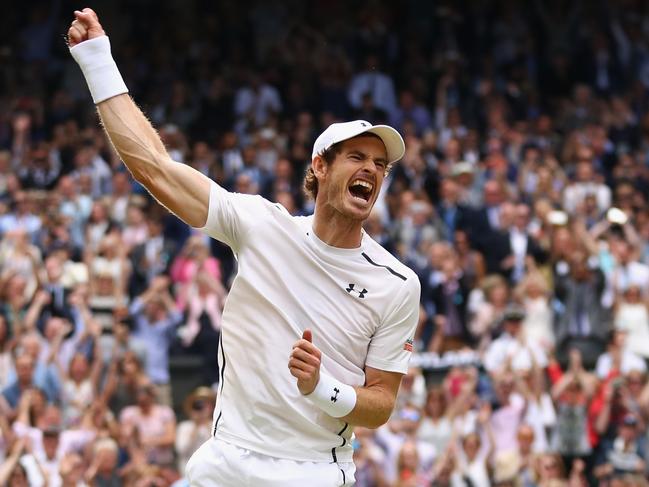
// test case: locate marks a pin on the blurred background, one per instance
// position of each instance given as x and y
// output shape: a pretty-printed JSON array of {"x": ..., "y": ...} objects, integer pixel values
[{"x": 521, "y": 203}]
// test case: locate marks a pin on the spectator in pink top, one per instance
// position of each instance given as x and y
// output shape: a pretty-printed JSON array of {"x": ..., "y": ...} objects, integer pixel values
[
  {"x": 194, "y": 256},
  {"x": 151, "y": 425}
]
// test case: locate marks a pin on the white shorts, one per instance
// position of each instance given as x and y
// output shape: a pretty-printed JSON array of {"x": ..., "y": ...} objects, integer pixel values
[{"x": 220, "y": 464}]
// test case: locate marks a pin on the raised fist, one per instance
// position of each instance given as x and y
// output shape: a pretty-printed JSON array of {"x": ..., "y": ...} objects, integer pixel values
[{"x": 85, "y": 26}]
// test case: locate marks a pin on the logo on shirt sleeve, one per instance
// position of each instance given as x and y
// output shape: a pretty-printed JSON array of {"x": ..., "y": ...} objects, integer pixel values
[{"x": 408, "y": 345}]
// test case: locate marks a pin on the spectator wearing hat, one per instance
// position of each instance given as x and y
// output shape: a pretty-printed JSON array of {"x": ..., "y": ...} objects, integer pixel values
[
  {"x": 195, "y": 430},
  {"x": 511, "y": 348},
  {"x": 506, "y": 469},
  {"x": 464, "y": 175}
]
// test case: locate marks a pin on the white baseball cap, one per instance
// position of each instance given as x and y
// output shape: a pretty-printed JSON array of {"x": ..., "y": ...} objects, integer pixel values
[{"x": 337, "y": 132}]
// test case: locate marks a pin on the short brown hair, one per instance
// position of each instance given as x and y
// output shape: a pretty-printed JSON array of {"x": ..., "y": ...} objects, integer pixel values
[
  {"x": 310, "y": 181},
  {"x": 310, "y": 185}
]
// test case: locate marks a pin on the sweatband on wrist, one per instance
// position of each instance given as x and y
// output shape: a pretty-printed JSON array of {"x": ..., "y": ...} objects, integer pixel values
[
  {"x": 333, "y": 397},
  {"x": 96, "y": 62}
]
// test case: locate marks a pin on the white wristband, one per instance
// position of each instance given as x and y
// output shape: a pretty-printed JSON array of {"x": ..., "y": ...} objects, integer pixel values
[
  {"x": 99, "y": 68},
  {"x": 333, "y": 397}
]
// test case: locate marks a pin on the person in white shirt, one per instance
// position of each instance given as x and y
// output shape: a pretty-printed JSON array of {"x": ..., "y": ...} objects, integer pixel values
[
  {"x": 618, "y": 357},
  {"x": 319, "y": 323},
  {"x": 586, "y": 184},
  {"x": 511, "y": 348}
]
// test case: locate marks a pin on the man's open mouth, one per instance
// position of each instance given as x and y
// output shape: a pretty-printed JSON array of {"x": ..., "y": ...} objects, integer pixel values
[{"x": 361, "y": 189}]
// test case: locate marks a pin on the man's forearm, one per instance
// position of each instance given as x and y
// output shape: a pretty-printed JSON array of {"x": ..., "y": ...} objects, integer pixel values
[
  {"x": 373, "y": 407},
  {"x": 133, "y": 137}
]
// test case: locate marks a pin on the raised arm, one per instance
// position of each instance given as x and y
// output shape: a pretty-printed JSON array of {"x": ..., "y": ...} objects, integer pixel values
[{"x": 180, "y": 188}]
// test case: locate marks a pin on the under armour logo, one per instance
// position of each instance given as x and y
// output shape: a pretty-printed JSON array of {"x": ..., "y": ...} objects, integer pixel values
[
  {"x": 363, "y": 124},
  {"x": 350, "y": 289},
  {"x": 334, "y": 398}
]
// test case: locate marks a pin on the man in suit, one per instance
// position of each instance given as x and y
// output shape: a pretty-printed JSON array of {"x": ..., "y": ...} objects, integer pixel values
[
  {"x": 521, "y": 245},
  {"x": 483, "y": 222}
]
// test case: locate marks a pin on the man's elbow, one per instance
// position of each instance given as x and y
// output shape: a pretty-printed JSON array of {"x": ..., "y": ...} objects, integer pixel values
[
  {"x": 380, "y": 417},
  {"x": 378, "y": 421}
]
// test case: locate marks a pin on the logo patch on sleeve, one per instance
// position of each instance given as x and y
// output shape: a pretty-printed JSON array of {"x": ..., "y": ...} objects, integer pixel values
[{"x": 408, "y": 345}]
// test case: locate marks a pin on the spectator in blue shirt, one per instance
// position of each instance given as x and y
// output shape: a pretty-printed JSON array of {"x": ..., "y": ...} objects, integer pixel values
[{"x": 156, "y": 319}]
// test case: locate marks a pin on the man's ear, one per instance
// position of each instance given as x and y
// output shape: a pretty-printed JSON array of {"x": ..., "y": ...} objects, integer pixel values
[{"x": 319, "y": 166}]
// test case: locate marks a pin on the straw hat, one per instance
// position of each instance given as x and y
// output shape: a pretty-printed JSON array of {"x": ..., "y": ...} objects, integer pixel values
[
  {"x": 506, "y": 466},
  {"x": 199, "y": 394}
]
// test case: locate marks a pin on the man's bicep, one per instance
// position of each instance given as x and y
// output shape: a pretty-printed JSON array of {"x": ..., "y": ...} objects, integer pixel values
[{"x": 182, "y": 190}]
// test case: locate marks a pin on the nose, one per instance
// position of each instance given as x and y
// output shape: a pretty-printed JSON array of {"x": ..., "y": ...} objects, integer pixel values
[{"x": 369, "y": 165}]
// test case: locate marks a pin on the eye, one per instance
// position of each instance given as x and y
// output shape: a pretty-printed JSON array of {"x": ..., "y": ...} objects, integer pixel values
[{"x": 355, "y": 157}]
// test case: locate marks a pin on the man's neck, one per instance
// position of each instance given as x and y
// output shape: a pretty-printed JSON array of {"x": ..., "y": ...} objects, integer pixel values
[{"x": 335, "y": 230}]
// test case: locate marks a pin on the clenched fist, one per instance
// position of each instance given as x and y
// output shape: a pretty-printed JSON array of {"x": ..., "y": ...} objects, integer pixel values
[
  {"x": 304, "y": 363},
  {"x": 84, "y": 26}
]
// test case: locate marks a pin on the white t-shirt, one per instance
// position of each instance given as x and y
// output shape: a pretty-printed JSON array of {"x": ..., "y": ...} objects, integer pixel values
[
  {"x": 506, "y": 347},
  {"x": 361, "y": 304},
  {"x": 630, "y": 361}
]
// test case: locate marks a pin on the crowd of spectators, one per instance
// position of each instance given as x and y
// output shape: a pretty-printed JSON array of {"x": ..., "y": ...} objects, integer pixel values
[{"x": 521, "y": 203}]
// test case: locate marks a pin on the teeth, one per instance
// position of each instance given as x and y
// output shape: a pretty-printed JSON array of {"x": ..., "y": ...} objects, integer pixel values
[{"x": 364, "y": 184}]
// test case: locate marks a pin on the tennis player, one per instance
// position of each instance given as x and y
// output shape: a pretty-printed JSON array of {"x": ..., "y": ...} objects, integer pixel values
[{"x": 318, "y": 326}]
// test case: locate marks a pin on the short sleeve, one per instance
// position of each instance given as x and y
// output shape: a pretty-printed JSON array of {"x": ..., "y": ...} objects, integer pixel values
[
  {"x": 391, "y": 346},
  {"x": 231, "y": 215}
]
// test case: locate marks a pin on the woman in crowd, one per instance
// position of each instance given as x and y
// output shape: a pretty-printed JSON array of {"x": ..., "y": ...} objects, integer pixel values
[
  {"x": 489, "y": 312},
  {"x": 124, "y": 377},
  {"x": 632, "y": 316}
]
